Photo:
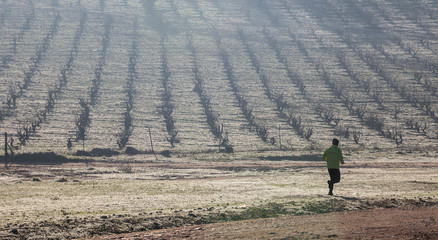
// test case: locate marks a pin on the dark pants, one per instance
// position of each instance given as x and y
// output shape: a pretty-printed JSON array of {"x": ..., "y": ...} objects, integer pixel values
[{"x": 335, "y": 177}]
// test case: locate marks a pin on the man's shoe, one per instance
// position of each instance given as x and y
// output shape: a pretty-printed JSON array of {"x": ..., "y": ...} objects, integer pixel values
[{"x": 330, "y": 193}]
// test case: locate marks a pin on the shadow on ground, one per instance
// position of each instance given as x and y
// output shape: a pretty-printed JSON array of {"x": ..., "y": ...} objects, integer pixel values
[
  {"x": 44, "y": 158},
  {"x": 306, "y": 158}
]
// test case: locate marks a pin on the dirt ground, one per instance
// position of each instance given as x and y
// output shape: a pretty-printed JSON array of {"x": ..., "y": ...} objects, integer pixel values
[
  {"x": 272, "y": 195},
  {"x": 399, "y": 223}
]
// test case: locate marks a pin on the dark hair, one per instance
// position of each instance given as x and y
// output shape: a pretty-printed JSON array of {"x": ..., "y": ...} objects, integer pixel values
[{"x": 335, "y": 141}]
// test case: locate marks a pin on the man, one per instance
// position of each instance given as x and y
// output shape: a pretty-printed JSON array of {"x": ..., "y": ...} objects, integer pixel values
[{"x": 333, "y": 157}]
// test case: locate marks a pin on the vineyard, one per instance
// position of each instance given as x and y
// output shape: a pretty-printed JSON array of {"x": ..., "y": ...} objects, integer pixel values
[
  {"x": 210, "y": 75},
  {"x": 271, "y": 82}
]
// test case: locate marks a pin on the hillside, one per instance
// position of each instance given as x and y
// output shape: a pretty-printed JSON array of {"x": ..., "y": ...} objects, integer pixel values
[{"x": 196, "y": 75}]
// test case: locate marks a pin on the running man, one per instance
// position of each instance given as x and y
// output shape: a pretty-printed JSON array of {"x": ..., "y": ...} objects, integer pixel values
[{"x": 333, "y": 157}]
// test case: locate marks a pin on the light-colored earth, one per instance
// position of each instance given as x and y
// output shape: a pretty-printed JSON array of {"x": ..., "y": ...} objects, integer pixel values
[{"x": 267, "y": 195}]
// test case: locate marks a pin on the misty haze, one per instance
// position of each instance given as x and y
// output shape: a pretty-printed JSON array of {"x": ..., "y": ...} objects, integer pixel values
[{"x": 126, "y": 116}]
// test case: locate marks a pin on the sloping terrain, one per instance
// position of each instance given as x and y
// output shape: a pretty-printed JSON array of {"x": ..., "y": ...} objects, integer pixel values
[{"x": 197, "y": 75}]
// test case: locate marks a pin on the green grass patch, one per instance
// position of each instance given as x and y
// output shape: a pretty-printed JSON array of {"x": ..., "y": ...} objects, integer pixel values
[
  {"x": 309, "y": 207},
  {"x": 266, "y": 211},
  {"x": 318, "y": 207},
  {"x": 272, "y": 210}
]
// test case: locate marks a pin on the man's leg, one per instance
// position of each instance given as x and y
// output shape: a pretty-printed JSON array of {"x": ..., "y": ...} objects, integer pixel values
[
  {"x": 335, "y": 177},
  {"x": 330, "y": 187}
]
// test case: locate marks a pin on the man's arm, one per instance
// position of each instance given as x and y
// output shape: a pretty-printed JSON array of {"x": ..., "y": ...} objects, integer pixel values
[{"x": 341, "y": 158}]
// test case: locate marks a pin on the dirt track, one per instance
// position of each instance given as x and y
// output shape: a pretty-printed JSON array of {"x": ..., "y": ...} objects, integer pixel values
[{"x": 399, "y": 223}]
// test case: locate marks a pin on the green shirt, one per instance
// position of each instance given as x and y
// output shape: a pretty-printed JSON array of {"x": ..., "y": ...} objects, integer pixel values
[{"x": 333, "y": 157}]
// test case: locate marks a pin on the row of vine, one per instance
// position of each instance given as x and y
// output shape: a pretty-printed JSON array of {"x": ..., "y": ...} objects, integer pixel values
[
  {"x": 285, "y": 108},
  {"x": 167, "y": 107},
  {"x": 254, "y": 124},
  {"x": 53, "y": 93},
  {"x": 216, "y": 128},
  {"x": 130, "y": 90},
  {"x": 15, "y": 91},
  {"x": 83, "y": 120}
]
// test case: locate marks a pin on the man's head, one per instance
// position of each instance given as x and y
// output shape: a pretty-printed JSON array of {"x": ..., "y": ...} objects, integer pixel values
[{"x": 335, "y": 141}]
